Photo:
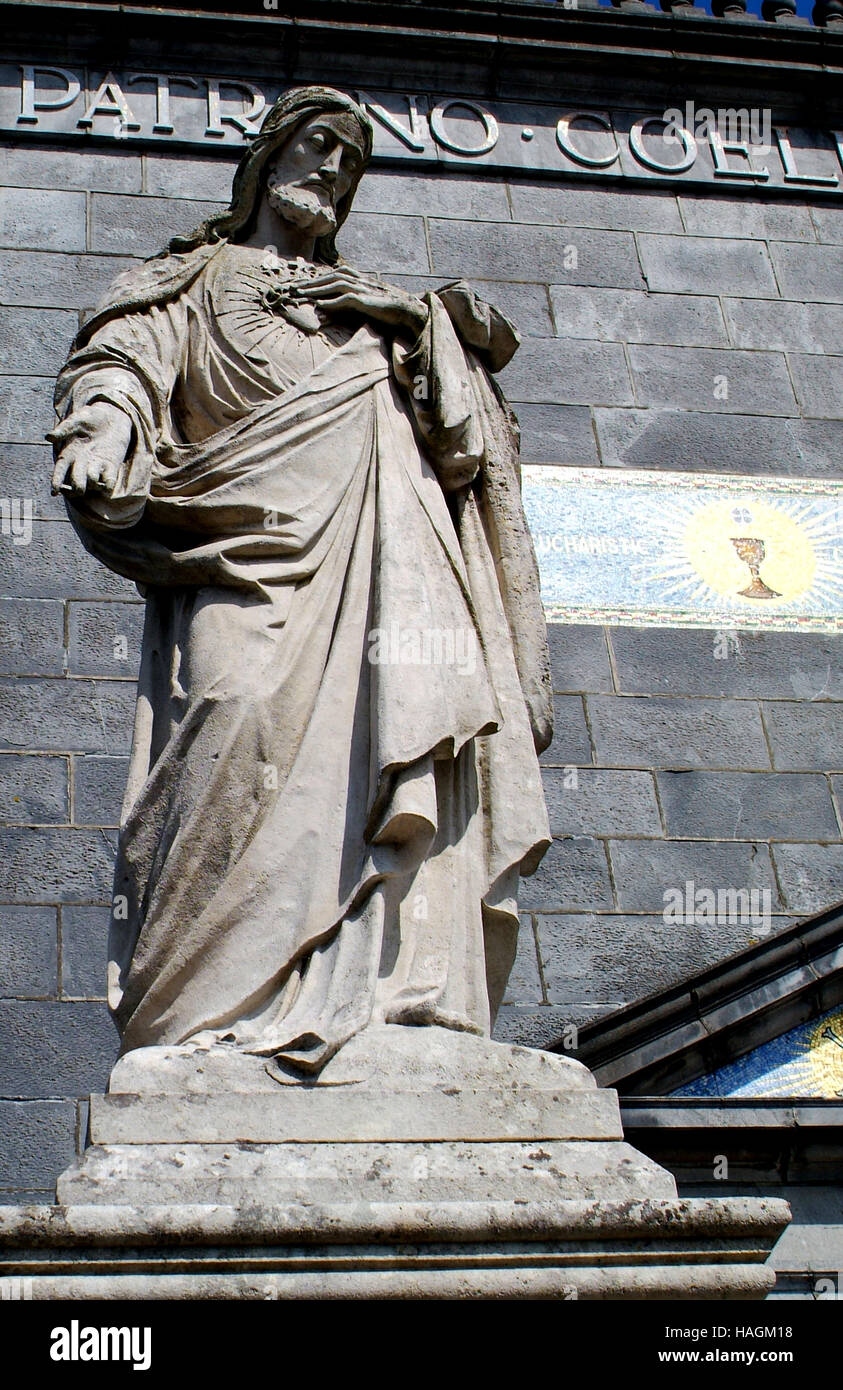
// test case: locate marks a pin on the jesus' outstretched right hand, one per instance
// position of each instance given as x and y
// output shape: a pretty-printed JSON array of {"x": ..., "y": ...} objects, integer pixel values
[{"x": 90, "y": 448}]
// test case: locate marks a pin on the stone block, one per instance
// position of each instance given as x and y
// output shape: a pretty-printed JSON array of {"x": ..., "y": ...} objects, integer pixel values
[
  {"x": 739, "y": 216},
  {"x": 33, "y": 637},
  {"x": 54, "y": 565},
  {"x": 26, "y": 1196},
  {"x": 43, "y": 219},
  {"x": 34, "y": 166},
  {"x": 756, "y": 382},
  {"x": 592, "y": 801},
  {"x": 706, "y": 442},
  {"x": 569, "y": 372},
  {"x": 143, "y": 226},
  {"x": 454, "y": 194},
  {"x": 557, "y": 434},
  {"x": 549, "y": 1024},
  {"x": 805, "y": 735},
  {"x": 471, "y": 1171},
  {"x": 526, "y": 305},
  {"x": 579, "y": 657},
  {"x": 616, "y": 208},
  {"x": 386, "y": 245},
  {"x": 27, "y": 411},
  {"x": 747, "y": 805},
  {"x": 828, "y": 221},
  {"x": 56, "y": 280},
  {"x": 754, "y": 665},
  {"x": 319, "y": 1114},
  {"x": 105, "y": 638},
  {"x": 98, "y": 787},
  {"x": 644, "y": 870},
  {"x": 632, "y": 316},
  {"x": 812, "y": 1240},
  {"x": 672, "y": 733},
  {"x": 807, "y": 272},
  {"x": 573, "y": 874},
  {"x": 84, "y": 950},
  {"x": 60, "y": 1049},
  {"x": 524, "y": 985},
  {"x": 26, "y": 470},
  {"x": 811, "y": 876},
  {"x": 194, "y": 177},
  {"x": 785, "y": 326},
  {"x": 67, "y": 716},
  {"x": 506, "y": 251},
  {"x": 28, "y": 956},
  {"x": 571, "y": 742},
  {"x": 819, "y": 384},
  {"x": 692, "y": 265},
  {"x": 55, "y": 865},
  {"x": 596, "y": 956},
  {"x": 36, "y": 1141},
  {"x": 33, "y": 790},
  {"x": 35, "y": 341}
]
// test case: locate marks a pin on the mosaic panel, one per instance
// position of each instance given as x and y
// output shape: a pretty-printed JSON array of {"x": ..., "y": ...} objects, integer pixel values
[
  {"x": 640, "y": 548},
  {"x": 807, "y": 1061}
]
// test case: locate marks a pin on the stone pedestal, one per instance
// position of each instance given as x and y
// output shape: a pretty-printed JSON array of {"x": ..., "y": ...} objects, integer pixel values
[{"x": 421, "y": 1163}]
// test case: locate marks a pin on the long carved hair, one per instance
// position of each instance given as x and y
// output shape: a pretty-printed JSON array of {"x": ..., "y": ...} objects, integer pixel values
[{"x": 290, "y": 112}]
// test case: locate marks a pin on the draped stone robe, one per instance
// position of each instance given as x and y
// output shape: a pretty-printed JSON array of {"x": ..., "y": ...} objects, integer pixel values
[{"x": 333, "y": 781}]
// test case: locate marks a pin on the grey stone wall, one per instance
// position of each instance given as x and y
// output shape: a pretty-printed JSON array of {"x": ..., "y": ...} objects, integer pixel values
[{"x": 690, "y": 764}]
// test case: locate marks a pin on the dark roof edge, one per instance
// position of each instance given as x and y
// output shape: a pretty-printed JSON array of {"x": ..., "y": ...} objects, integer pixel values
[
  {"x": 773, "y": 1141},
  {"x": 732, "y": 1112},
  {"x": 650, "y": 31}
]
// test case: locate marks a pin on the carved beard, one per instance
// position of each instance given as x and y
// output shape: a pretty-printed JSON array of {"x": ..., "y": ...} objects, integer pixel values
[{"x": 306, "y": 208}]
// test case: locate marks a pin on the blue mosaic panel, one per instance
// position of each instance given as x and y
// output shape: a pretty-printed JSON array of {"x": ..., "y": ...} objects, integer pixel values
[
  {"x": 807, "y": 1061},
  {"x": 639, "y": 548}
]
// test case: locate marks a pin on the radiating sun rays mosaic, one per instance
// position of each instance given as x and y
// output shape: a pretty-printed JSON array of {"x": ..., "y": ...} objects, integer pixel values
[
  {"x": 806, "y": 1061},
  {"x": 640, "y": 548}
]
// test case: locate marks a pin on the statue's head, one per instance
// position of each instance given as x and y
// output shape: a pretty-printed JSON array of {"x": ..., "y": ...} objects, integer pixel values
[{"x": 312, "y": 150}]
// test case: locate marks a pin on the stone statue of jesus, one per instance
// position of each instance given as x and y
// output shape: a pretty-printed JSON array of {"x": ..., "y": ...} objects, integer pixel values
[{"x": 313, "y": 479}]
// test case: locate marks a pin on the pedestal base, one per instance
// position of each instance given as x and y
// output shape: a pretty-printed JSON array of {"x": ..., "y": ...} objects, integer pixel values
[
  {"x": 420, "y": 1164},
  {"x": 656, "y": 1249}
]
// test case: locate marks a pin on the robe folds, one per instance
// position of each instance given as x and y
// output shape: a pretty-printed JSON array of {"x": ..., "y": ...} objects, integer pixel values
[{"x": 334, "y": 783}]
